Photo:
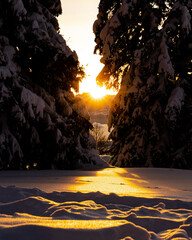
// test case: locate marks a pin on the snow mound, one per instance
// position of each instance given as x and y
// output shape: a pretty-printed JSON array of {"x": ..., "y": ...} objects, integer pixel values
[{"x": 34, "y": 214}]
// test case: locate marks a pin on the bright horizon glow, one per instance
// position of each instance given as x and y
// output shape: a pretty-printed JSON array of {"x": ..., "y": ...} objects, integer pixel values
[
  {"x": 76, "y": 24},
  {"x": 90, "y": 86}
]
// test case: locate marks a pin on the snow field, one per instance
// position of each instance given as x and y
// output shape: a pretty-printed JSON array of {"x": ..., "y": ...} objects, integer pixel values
[{"x": 31, "y": 213}]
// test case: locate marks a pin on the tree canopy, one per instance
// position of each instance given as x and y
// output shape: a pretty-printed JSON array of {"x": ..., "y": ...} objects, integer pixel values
[
  {"x": 42, "y": 123},
  {"x": 146, "y": 48}
]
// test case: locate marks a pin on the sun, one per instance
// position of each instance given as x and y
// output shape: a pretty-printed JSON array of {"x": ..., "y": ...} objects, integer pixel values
[
  {"x": 99, "y": 92},
  {"x": 90, "y": 86}
]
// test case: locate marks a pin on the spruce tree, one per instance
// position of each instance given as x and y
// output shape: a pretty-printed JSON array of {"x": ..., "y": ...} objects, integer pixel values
[
  {"x": 146, "y": 48},
  {"x": 42, "y": 123}
]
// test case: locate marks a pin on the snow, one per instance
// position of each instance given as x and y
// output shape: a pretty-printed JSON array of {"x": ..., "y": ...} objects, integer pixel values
[
  {"x": 114, "y": 22},
  {"x": 186, "y": 19},
  {"x": 106, "y": 35},
  {"x": 4, "y": 92},
  {"x": 80, "y": 107},
  {"x": 35, "y": 25},
  {"x": 175, "y": 103},
  {"x": 8, "y": 68},
  {"x": 185, "y": 16},
  {"x": 17, "y": 112},
  {"x": 137, "y": 112},
  {"x": 165, "y": 64},
  {"x": 147, "y": 74},
  {"x": 136, "y": 203},
  {"x": 35, "y": 104},
  {"x": 124, "y": 9},
  {"x": 18, "y": 8},
  {"x": 10, "y": 144}
]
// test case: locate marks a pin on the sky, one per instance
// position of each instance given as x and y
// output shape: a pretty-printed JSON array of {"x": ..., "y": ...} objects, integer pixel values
[{"x": 76, "y": 26}]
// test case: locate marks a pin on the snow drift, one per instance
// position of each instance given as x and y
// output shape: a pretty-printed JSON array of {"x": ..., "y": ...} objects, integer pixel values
[
  {"x": 39, "y": 215},
  {"x": 36, "y": 214}
]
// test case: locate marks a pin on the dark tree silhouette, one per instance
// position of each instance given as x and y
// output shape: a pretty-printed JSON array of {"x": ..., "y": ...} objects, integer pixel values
[
  {"x": 42, "y": 123},
  {"x": 146, "y": 48}
]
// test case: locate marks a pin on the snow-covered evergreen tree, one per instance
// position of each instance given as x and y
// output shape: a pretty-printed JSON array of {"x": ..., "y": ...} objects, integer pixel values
[
  {"x": 146, "y": 48},
  {"x": 42, "y": 123}
]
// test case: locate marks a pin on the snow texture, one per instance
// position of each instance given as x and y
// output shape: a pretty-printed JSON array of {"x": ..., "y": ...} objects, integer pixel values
[
  {"x": 175, "y": 103},
  {"x": 31, "y": 213},
  {"x": 165, "y": 65}
]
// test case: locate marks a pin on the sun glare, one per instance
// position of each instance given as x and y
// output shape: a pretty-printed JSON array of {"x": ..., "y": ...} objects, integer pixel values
[
  {"x": 99, "y": 92},
  {"x": 90, "y": 86},
  {"x": 78, "y": 33}
]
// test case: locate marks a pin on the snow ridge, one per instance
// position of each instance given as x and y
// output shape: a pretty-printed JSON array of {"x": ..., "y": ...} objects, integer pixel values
[{"x": 37, "y": 214}]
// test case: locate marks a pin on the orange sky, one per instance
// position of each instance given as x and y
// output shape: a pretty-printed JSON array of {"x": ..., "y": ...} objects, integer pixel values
[{"x": 76, "y": 26}]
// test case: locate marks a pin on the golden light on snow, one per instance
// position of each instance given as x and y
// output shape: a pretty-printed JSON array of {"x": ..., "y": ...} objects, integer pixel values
[
  {"x": 111, "y": 180},
  {"x": 64, "y": 224}
]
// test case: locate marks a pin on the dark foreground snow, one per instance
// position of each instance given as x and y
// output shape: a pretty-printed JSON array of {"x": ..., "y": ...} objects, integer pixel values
[{"x": 143, "y": 204}]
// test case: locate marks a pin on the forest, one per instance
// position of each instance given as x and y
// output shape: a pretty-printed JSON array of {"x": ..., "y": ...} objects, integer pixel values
[
  {"x": 42, "y": 124},
  {"x": 146, "y": 49}
]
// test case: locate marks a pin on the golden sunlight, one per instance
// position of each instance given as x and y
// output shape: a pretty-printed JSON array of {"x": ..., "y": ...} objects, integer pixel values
[
  {"x": 80, "y": 37},
  {"x": 115, "y": 182},
  {"x": 90, "y": 86},
  {"x": 64, "y": 224}
]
